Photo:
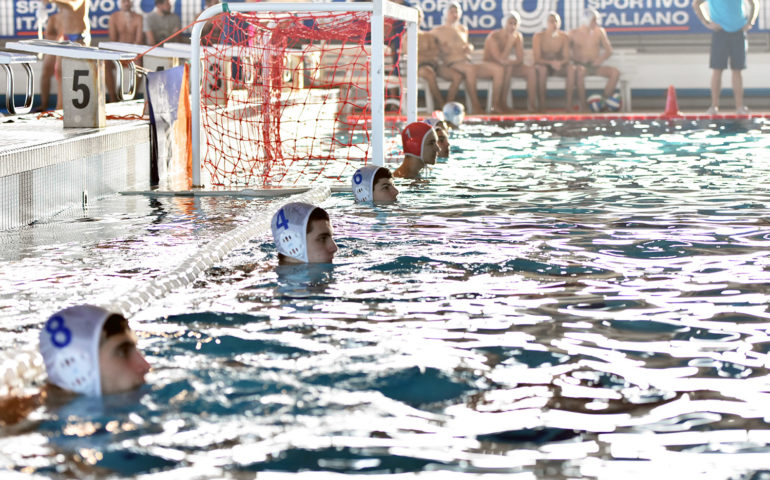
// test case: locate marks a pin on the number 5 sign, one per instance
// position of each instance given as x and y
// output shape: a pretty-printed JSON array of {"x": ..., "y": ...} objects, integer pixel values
[{"x": 83, "y": 93}]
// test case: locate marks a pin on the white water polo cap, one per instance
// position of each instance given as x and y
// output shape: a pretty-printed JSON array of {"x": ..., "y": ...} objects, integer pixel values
[
  {"x": 454, "y": 112},
  {"x": 69, "y": 343},
  {"x": 289, "y": 227},
  {"x": 363, "y": 183}
]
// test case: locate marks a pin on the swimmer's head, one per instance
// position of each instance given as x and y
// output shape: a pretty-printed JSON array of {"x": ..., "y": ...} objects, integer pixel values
[
  {"x": 442, "y": 141},
  {"x": 372, "y": 183},
  {"x": 454, "y": 113},
  {"x": 512, "y": 20},
  {"x": 91, "y": 351},
  {"x": 303, "y": 234},
  {"x": 453, "y": 12},
  {"x": 554, "y": 20},
  {"x": 419, "y": 140},
  {"x": 591, "y": 15}
]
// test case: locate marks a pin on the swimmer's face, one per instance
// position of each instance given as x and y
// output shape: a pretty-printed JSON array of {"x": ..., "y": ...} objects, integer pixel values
[
  {"x": 121, "y": 366},
  {"x": 554, "y": 21},
  {"x": 126, "y": 5},
  {"x": 452, "y": 15},
  {"x": 165, "y": 7},
  {"x": 384, "y": 191},
  {"x": 320, "y": 243},
  {"x": 442, "y": 142},
  {"x": 511, "y": 24},
  {"x": 430, "y": 148}
]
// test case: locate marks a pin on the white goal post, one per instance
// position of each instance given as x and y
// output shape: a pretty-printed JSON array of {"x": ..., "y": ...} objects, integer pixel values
[{"x": 381, "y": 9}]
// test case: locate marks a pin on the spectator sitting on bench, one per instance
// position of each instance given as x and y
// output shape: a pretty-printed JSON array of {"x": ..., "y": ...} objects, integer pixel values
[
  {"x": 498, "y": 48},
  {"x": 587, "y": 43},
  {"x": 455, "y": 56},
  {"x": 428, "y": 63},
  {"x": 550, "y": 49},
  {"x": 125, "y": 26}
]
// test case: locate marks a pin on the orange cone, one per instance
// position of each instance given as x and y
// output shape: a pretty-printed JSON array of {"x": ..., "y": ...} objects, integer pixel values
[{"x": 672, "y": 108}]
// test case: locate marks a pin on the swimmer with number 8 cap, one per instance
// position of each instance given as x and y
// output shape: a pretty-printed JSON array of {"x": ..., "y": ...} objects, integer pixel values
[
  {"x": 91, "y": 351},
  {"x": 420, "y": 149},
  {"x": 303, "y": 234},
  {"x": 373, "y": 183}
]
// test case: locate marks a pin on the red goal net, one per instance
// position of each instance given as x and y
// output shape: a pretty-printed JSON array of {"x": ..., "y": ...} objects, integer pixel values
[{"x": 285, "y": 97}]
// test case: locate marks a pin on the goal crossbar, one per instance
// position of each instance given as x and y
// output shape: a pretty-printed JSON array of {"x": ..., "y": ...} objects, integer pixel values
[{"x": 380, "y": 10}]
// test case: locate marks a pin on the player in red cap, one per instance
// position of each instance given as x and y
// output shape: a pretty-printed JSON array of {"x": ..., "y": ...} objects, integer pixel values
[{"x": 420, "y": 149}]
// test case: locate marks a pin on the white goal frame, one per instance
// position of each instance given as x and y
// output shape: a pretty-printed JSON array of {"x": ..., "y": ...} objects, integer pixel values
[{"x": 380, "y": 9}]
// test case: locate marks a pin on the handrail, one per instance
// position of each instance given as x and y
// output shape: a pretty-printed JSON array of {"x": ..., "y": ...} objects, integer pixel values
[{"x": 7, "y": 58}]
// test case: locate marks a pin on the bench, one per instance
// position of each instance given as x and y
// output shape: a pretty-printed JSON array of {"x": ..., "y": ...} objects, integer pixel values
[
  {"x": 622, "y": 59},
  {"x": 83, "y": 70},
  {"x": 6, "y": 60}
]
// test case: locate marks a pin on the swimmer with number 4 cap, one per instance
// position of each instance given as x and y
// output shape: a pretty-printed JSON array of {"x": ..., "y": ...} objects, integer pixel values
[
  {"x": 420, "y": 149},
  {"x": 373, "y": 183},
  {"x": 303, "y": 234}
]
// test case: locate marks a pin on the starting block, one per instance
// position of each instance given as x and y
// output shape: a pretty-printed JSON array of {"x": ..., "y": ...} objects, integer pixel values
[
  {"x": 6, "y": 59},
  {"x": 83, "y": 78},
  {"x": 159, "y": 58}
]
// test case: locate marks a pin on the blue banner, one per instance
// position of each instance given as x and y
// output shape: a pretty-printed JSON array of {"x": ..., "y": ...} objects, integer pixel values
[{"x": 645, "y": 17}]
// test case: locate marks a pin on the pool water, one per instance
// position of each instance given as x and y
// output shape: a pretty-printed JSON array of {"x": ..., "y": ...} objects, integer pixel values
[{"x": 582, "y": 300}]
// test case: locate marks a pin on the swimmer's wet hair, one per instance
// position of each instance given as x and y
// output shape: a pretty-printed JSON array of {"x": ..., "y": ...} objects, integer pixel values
[
  {"x": 114, "y": 325},
  {"x": 382, "y": 172}
]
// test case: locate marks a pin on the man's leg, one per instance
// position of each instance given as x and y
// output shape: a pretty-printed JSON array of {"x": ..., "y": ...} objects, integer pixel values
[
  {"x": 570, "y": 88},
  {"x": 541, "y": 74},
  {"x": 429, "y": 75},
  {"x": 612, "y": 74},
  {"x": 109, "y": 79},
  {"x": 738, "y": 89},
  {"x": 496, "y": 72},
  {"x": 49, "y": 67},
  {"x": 508, "y": 73},
  {"x": 580, "y": 79},
  {"x": 716, "y": 88},
  {"x": 455, "y": 77}
]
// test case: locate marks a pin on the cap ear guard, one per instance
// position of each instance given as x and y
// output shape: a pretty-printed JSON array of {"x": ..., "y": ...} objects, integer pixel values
[
  {"x": 289, "y": 227},
  {"x": 69, "y": 343},
  {"x": 413, "y": 138}
]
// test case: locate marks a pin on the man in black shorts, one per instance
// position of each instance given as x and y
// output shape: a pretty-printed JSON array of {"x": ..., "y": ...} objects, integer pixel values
[{"x": 729, "y": 24}]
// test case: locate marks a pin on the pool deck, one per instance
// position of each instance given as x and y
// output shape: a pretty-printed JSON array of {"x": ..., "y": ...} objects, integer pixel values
[{"x": 45, "y": 168}]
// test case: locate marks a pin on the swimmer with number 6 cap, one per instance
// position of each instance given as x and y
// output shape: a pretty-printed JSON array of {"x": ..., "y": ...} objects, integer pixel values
[
  {"x": 303, "y": 234},
  {"x": 420, "y": 149},
  {"x": 373, "y": 183}
]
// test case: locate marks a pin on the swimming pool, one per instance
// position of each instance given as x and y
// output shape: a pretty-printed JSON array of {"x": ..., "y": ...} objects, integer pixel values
[{"x": 559, "y": 301}]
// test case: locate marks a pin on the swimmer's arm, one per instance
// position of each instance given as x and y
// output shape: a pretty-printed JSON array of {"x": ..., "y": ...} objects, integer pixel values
[
  {"x": 605, "y": 42},
  {"x": 697, "y": 5},
  {"x": 519, "y": 47},
  {"x": 754, "y": 6}
]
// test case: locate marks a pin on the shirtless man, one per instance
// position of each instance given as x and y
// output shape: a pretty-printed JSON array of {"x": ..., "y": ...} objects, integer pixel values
[
  {"x": 588, "y": 41},
  {"x": 455, "y": 55},
  {"x": 125, "y": 26},
  {"x": 71, "y": 24},
  {"x": 497, "y": 49},
  {"x": 428, "y": 55},
  {"x": 551, "y": 51}
]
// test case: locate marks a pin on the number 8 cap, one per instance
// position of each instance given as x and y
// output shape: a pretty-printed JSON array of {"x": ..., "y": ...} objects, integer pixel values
[
  {"x": 289, "y": 227},
  {"x": 363, "y": 183},
  {"x": 69, "y": 343}
]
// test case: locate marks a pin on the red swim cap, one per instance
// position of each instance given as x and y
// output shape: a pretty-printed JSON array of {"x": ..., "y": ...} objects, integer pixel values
[{"x": 413, "y": 138}]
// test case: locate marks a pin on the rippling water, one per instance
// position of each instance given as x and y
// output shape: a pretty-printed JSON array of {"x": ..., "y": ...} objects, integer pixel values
[{"x": 558, "y": 301}]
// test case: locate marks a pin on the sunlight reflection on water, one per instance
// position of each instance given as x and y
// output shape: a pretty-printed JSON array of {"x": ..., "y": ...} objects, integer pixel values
[{"x": 558, "y": 301}]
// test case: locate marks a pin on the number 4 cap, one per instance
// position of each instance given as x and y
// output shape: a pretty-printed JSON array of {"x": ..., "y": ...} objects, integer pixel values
[
  {"x": 363, "y": 183},
  {"x": 69, "y": 343},
  {"x": 289, "y": 229}
]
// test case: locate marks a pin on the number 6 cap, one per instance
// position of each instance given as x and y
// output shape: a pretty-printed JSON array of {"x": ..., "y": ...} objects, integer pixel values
[
  {"x": 289, "y": 226},
  {"x": 69, "y": 343},
  {"x": 363, "y": 183}
]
